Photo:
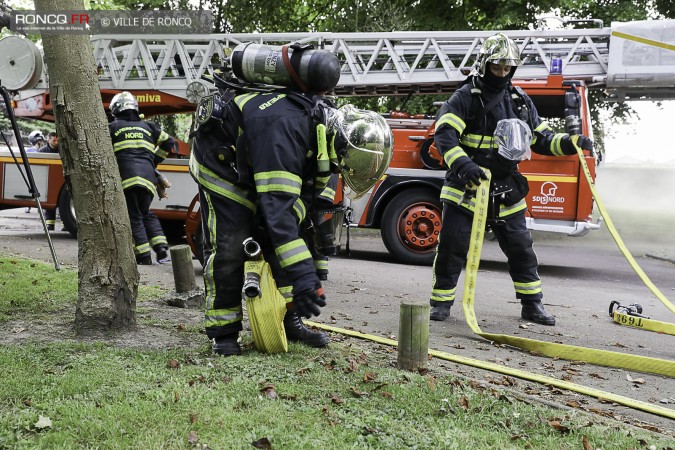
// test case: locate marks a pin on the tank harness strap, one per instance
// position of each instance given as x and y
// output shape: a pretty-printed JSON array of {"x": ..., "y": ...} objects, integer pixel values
[{"x": 291, "y": 71}]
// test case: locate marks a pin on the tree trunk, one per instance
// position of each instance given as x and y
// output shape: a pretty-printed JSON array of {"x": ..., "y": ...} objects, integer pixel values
[{"x": 107, "y": 272}]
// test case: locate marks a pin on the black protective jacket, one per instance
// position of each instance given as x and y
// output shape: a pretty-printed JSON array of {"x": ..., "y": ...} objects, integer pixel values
[
  {"x": 139, "y": 146},
  {"x": 259, "y": 150},
  {"x": 464, "y": 129}
]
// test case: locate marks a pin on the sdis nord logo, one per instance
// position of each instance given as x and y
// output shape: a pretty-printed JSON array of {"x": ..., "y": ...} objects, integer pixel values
[{"x": 547, "y": 196}]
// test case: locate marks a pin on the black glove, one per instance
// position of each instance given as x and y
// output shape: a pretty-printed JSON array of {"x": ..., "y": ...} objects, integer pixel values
[
  {"x": 469, "y": 172},
  {"x": 567, "y": 144},
  {"x": 309, "y": 303}
]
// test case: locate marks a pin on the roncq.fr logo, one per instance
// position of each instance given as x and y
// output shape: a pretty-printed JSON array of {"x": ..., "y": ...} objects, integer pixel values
[
  {"x": 51, "y": 19},
  {"x": 548, "y": 191}
]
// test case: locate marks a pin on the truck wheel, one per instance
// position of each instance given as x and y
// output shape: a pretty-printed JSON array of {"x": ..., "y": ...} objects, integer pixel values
[
  {"x": 411, "y": 225},
  {"x": 67, "y": 211}
]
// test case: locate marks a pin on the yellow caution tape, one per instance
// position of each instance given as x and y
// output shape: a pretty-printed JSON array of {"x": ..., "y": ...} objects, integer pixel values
[
  {"x": 494, "y": 367},
  {"x": 570, "y": 352},
  {"x": 266, "y": 312}
]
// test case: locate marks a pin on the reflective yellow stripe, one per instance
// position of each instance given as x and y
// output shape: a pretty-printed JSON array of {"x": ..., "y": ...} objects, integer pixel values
[
  {"x": 543, "y": 127},
  {"x": 133, "y": 143},
  {"x": 451, "y": 155},
  {"x": 209, "y": 180},
  {"x": 328, "y": 194},
  {"x": 143, "y": 248},
  {"x": 473, "y": 140},
  {"x": 300, "y": 210},
  {"x": 556, "y": 148},
  {"x": 443, "y": 295},
  {"x": 158, "y": 240},
  {"x": 292, "y": 252},
  {"x": 222, "y": 317},
  {"x": 139, "y": 181},
  {"x": 453, "y": 120},
  {"x": 240, "y": 100},
  {"x": 277, "y": 181},
  {"x": 209, "y": 281},
  {"x": 530, "y": 288}
]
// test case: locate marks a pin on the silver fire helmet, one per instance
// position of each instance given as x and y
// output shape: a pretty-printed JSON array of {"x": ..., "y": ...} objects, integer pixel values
[
  {"x": 123, "y": 101},
  {"x": 513, "y": 138},
  {"x": 497, "y": 49},
  {"x": 369, "y": 146}
]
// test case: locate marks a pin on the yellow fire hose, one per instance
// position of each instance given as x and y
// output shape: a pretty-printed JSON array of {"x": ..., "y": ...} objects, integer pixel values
[{"x": 570, "y": 352}]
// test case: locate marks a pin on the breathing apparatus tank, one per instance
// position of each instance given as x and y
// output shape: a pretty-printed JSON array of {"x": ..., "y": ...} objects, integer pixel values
[{"x": 294, "y": 66}]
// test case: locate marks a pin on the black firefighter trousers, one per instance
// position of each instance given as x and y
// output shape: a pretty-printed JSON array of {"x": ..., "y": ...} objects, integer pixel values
[
  {"x": 226, "y": 225},
  {"x": 514, "y": 240},
  {"x": 145, "y": 227}
]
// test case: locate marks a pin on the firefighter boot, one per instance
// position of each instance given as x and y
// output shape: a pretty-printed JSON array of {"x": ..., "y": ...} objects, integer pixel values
[
  {"x": 162, "y": 252},
  {"x": 144, "y": 260},
  {"x": 440, "y": 311},
  {"x": 296, "y": 331},
  {"x": 534, "y": 311},
  {"x": 226, "y": 345}
]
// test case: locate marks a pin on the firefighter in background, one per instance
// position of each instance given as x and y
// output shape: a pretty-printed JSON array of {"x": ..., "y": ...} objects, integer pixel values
[
  {"x": 52, "y": 146},
  {"x": 139, "y": 146},
  {"x": 465, "y": 136},
  {"x": 261, "y": 183},
  {"x": 36, "y": 140}
]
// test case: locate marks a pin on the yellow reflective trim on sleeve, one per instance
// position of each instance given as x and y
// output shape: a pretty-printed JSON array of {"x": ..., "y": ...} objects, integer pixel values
[
  {"x": 451, "y": 155},
  {"x": 278, "y": 181},
  {"x": 556, "y": 148},
  {"x": 292, "y": 252},
  {"x": 453, "y": 120},
  {"x": 300, "y": 210},
  {"x": 543, "y": 127},
  {"x": 473, "y": 141}
]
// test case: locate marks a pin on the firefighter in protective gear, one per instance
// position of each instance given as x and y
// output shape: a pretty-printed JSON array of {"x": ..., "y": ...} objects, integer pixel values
[
  {"x": 36, "y": 140},
  {"x": 52, "y": 146},
  {"x": 139, "y": 146},
  {"x": 465, "y": 135},
  {"x": 260, "y": 160}
]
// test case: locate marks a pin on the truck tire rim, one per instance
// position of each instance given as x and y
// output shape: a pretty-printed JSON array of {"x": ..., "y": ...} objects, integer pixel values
[{"x": 419, "y": 226}]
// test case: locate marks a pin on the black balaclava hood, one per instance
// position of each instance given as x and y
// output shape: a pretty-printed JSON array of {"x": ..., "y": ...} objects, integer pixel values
[{"x": 494, "y": 82}]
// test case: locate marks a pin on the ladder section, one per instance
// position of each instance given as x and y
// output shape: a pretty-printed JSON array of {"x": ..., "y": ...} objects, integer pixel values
[
  {"x": 642, "y": 60},
  {"x": 372, "y": 63}
]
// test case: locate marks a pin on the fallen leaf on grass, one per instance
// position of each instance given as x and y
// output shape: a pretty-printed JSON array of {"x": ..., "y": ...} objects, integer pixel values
[
  {"x": 269, "y": 391},
  {"x": 302, "y": 371},
  {"x": 193, "y": 418},
  {"x": 587, "y": 445},
  {"x": 464, "y": 403},
  {"x": 357, "y": 393},
  {"x": 43, "y": 422},
  {"x": 262, "y": 443},
  {"x": 193, "y": 438},
  {"x": 335, "y": 399},
  {"x": 556, "y": 424},
  {"x": 353, "y": 366},
  {"x": 369, "y": 376},
  {"x": 386, "y": 394},
  {"x": 173, "y": 364}
]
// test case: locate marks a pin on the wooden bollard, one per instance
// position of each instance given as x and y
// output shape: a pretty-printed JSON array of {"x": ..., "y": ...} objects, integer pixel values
[
  {"x": 413, "y": 336},
  {"x": 183, "y": 271}
]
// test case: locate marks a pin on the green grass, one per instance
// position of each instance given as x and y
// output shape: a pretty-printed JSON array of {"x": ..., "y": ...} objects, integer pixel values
[
  {"x": 96, "y": 396},
  {"x": 71, "y": 395},
  {"x": 34, "y": 286}
]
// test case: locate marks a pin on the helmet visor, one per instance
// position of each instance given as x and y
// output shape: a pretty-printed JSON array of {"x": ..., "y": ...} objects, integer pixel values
[{"x": 368, "y": 151}]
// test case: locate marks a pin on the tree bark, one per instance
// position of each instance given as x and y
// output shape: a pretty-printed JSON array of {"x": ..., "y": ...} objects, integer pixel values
[{"x": 107, "y": 273}]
